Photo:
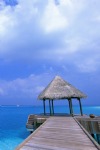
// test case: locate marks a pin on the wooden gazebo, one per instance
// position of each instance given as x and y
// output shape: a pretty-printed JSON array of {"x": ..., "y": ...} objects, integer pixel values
[{"x": 60, "y": 89}]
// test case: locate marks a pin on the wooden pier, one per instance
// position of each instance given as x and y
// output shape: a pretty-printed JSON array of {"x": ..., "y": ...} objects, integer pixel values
[{"x": 59, "y": 133}]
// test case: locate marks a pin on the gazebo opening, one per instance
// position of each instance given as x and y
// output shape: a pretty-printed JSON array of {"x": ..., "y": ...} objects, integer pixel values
[{"x": 59, "y": 89}]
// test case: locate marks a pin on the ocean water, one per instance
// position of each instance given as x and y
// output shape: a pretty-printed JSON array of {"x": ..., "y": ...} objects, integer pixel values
[{"x": 13, "y": 120}]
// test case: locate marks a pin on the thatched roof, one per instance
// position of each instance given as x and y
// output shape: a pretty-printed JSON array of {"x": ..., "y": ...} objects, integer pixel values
[{"x": 60, "y": 89}]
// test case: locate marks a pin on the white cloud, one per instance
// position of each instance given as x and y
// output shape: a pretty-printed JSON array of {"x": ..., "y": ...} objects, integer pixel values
[
  {"x": 24, "y": 88},
  {"x": 1, "y": 91},
  {"x": 42, "y": 30},
  {"x": 52, "y": 19},
  {"x": 88, "y": 66},
  {"x": 7, "y": 21}
]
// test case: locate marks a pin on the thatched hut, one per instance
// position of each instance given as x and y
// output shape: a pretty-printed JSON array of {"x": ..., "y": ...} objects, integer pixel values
[{"x": 60, "y": 89}]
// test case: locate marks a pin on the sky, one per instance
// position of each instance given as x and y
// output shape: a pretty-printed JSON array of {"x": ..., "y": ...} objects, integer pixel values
[{"x": 40, "y": 39}]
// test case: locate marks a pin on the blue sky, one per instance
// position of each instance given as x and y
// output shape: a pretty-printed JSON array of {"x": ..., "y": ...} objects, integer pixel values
[{"x": 43, "y": 38}]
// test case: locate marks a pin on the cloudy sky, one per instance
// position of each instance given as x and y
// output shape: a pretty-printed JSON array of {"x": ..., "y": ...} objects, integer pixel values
[{"x": 43, "y": 38}]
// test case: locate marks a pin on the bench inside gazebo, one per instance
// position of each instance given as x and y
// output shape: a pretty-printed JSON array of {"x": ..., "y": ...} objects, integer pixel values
[{"x": 59, "y": 89}]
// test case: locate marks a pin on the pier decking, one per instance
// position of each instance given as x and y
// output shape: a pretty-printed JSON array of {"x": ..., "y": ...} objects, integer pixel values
[{"x": 58, "y": 133}]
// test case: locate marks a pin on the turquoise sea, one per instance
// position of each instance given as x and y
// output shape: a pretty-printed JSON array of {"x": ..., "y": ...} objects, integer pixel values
[{"x": 13, "y": 120}]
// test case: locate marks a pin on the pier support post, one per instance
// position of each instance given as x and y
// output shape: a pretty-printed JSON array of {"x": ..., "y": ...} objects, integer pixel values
[
  {"x": 80, "y": 107},
  {"x": 98, "y": 138},
  {"x": 44, "y": 106}
]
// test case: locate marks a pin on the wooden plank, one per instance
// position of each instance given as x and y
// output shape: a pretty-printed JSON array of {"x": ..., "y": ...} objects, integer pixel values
[
  {"x": 62, "y": 142},
  {"x": 58, "y": 133},
  {"x": 33, "y": 146}
]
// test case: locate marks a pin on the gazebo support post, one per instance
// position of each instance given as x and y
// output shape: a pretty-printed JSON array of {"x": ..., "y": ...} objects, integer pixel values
[
  {"x": 69, "y": 106},
  {"x": 44, "y": 106},
  {"x": 80, "y": 107},
  {"x": 50, "y": 107}
]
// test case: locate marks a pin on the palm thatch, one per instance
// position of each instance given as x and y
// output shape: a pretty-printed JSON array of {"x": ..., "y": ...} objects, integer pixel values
[{"x": 60, "y": 89}]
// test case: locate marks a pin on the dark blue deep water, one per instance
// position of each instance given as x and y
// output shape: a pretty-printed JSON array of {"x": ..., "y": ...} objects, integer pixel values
[{"x": 13, "y": 120}]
